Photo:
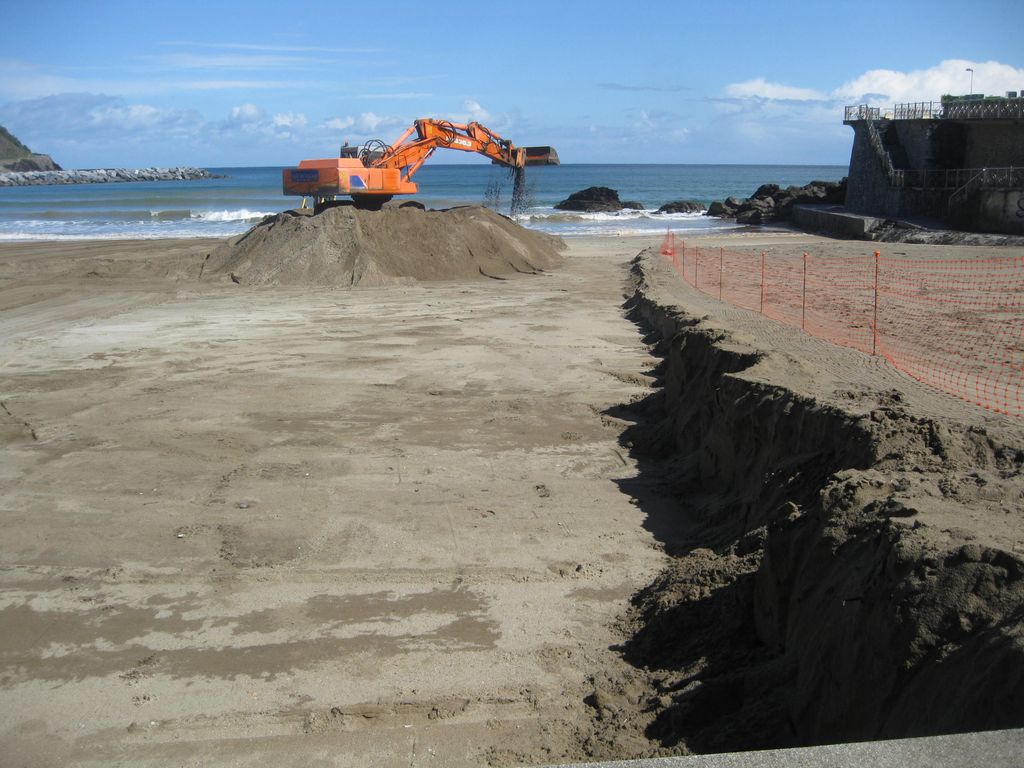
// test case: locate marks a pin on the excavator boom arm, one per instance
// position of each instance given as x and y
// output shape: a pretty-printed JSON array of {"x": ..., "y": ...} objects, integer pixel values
[{"x": 418, "y": 143}]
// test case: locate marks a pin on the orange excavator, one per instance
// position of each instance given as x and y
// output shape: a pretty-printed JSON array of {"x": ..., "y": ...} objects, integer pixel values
[{"x": 375, "y": 172}]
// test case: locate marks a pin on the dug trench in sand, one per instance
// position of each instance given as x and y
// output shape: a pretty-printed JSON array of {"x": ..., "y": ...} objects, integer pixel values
[{"x": 854, "y": 565}]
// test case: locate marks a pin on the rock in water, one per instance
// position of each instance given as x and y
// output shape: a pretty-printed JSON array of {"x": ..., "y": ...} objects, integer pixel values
[
  {"x": 345, "y": 246},
  {"x": 771, "y": 203},
  {"x": 682, "y": 206},
  {"x": 592, "y": 199},
  {"x": 766, "y": 190}
]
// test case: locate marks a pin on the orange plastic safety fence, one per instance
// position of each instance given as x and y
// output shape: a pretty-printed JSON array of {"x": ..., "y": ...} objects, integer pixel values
[
  {"x": 957, "y": 325},
  {"x": 840, "y": 300}
]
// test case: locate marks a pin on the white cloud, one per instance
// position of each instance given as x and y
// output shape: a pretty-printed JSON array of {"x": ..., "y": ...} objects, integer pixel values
[
  {"x": 233, "y": 85},
  {"x": 643, "y": 121},
  {"x": 476, "y": 112},
  {"x": 249, "y": 119},
  {"x": 233, "y": 61},
  {"x": 780, "y": 122},
  {"x": 21, "y": 81},
  {"x": 948, "y": 77},
  {"x": 340, "y": 124},
  {"x": 96, "y": 129},
  {"x": 369, "y": 122},
  {"x": 367, "y": 125},
  {"x": 889, "y": 86},
  {"x": 761, "y": 88},
  {"x": 399, "y": 96},
  {"x": 132, "y": 116},
  {"x": 290, "y": 120},
  {"x": 244, "y": 116},
  {"x": 85, "y": 113},
  {"x": 279, "y": 48}
]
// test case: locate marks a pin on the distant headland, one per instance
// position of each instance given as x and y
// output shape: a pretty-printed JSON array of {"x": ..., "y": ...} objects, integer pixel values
[
  {"x": 20, "y": 167},
  {"x": 15, "y": 156}
]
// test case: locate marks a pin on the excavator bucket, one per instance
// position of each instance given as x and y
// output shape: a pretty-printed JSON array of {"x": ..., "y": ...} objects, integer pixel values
[{"x": 541, "y": 156}]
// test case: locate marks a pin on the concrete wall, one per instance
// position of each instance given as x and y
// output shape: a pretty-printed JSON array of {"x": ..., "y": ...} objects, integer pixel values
[
  {"x": 999, "y": 210},
  {"x": 928, "y": 144},
  {"x": 927, "y": 203},
  {"x": 868, "y": 191},
  {"x": 995, "y": 144},
  {"x": 916, "y": 138},
  {"x": 828, "y": 220}
]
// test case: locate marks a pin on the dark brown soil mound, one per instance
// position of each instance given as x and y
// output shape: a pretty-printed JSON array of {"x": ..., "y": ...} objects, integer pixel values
[{"x": 345, "y": 246}]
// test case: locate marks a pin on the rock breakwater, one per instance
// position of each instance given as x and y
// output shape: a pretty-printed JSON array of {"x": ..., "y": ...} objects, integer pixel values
[
  {"x": 102, "y": 175},
  {"x": 770, "y": 202}
]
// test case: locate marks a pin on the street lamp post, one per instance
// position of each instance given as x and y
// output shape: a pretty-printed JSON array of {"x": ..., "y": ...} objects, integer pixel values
[{"x": 971, "y": 70}]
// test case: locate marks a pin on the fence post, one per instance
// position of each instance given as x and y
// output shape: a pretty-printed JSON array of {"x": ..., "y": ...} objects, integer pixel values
[
  {"x": 803, "y": 298},
  {"x": 721, "y": 274},
  {"x": 874, "y": 312},
  {"x": 762, "y": 282}
]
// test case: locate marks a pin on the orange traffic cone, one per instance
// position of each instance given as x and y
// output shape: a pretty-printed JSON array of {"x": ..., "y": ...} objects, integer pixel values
[{"x": 668, "y": 246}]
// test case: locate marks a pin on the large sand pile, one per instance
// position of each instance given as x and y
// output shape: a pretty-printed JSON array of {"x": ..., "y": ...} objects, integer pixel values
[{"x": 346, "y": 246}]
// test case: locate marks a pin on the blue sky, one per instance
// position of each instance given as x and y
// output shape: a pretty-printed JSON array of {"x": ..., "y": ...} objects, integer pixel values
[{"x": 257, "y": 83}]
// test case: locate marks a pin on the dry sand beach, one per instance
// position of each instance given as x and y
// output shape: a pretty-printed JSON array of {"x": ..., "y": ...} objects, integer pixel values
[{"x": 251, "y": 520}]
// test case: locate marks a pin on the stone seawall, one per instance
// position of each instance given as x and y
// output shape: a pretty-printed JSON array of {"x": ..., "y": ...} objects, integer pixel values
[{"x": 102, "y": 175}]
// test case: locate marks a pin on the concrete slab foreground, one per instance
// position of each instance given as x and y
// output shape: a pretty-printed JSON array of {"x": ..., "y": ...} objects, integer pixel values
[{"x": 992, "y": 749}]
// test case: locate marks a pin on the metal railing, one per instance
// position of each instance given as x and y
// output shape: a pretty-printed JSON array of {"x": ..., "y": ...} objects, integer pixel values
[
  {"x": 862, "y": 112},
  {"x": 961, "y": 180},
  {"x": 990, "y": 178},
  {"x": 876, "y": 142},
  {"x": 917, "y": 110},
  {"x": 987, "y": 109},
  {"x": 955, "y": 109},
  {"x": 955, "y": 178}
]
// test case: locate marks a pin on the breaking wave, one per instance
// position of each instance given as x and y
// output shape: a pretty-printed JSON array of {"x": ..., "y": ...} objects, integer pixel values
[{"x": 242, "y": 214}]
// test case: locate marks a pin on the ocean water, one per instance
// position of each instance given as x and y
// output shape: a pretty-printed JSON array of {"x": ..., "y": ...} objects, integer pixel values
[{"x": 230, "y": 205}]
